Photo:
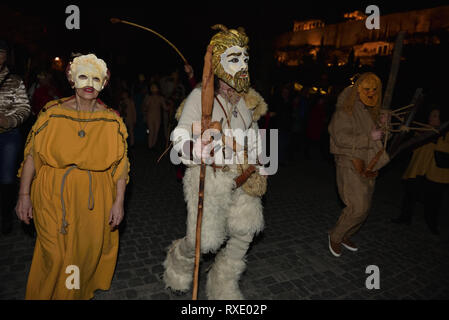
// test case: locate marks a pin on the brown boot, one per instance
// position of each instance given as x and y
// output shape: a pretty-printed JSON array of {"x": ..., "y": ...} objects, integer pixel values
[
  {"x": 335, "y": 248},
  {"x": 348, "y": 244}
]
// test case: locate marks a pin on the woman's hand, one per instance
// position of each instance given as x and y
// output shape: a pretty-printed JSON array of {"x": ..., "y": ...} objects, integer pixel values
[
  {"x": 24, "y": 208},
  {"x": 116, "y": 215}
]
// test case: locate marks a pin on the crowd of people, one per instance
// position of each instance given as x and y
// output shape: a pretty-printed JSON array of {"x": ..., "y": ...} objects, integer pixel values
[
  {"x": 148, "y": 106},
  {"x": 301, "y": 115},
  {"x": 82, "y": 143}
]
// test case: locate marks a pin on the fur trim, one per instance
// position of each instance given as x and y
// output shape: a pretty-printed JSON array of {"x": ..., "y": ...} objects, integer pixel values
[
  {"x": 256, "y": 184},
  {"x": 245, "y": 216},
  {"x": 254, "y": 101},
  {"x": 223, "y": 278},
  {"x": 225, "y": 211},
  {"x": 217, "y": 196},
  {"x": 179, "y": 267}
]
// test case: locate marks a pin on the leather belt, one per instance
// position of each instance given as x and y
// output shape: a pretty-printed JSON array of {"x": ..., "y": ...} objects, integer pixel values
[{"x": 224, "y": 168}]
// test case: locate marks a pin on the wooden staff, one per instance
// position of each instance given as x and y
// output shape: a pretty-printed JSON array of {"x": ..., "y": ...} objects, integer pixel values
[
  {"x": 407, "y": 120},
  {"x": 389, "y": 92},
  {"x": 207, "y": 103},
  {"x": 422, "y": 124},
  {"x": 403, "y": 108},
  {"x": 417, "y": 129},
  {"x": 116, "y": 20},
  {"x": 419, "y": 140},
  {"x": 398, "y": 118},
  {"x": 394, "y": 70}
]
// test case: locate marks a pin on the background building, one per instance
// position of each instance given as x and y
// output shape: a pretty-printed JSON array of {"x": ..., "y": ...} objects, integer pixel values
[{"x": 337, "y": 42}]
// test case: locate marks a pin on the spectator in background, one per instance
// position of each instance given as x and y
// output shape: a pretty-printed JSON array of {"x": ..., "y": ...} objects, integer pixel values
[
  {"x": 128, "y": 112},
  {"x": 45, "y": 91},
  {"x": 152, "y": 106},
  {"x": 174, "y": 92},
  {"x": 140, "y": 90},
  {"x": 427, "y": 176},
  {"x": 14, "y": 110},
  {"x": 180, "y": 168},
  {"x": 300, "y": 106},
  {"x": 316, "y": 125},
  {"x": 282, "y": 120},
  {"x": 172, "y": 88}
]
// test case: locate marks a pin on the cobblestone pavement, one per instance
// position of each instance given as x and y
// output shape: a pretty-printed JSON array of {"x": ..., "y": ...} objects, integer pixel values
[{"x": 290, "y": 260}]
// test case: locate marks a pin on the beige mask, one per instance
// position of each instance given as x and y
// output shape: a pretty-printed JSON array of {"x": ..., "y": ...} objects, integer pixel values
[
  {"x": 369, "y": 90},
  {"x": 88, "y": 71}
]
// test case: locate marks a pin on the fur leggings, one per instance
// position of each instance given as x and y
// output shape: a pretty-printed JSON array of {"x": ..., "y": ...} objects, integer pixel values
[{"x": 228, "y": 215}]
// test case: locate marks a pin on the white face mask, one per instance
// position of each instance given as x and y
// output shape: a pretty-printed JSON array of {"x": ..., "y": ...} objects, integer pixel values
[
  {"x": 88, "y": 76},
  {"x": 234, "y": 59}
]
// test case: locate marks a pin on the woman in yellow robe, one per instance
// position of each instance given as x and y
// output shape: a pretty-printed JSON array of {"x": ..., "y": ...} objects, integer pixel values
[
  {"x": 73, "y": 181},
  {"x": 426, "y": 177}
]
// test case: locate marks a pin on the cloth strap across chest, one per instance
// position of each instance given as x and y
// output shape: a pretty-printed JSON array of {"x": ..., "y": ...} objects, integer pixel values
[{"x": 227, "y": 117}]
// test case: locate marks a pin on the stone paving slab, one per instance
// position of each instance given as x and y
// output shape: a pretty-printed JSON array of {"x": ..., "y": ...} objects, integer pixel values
[{"x": 290, "y": 260}]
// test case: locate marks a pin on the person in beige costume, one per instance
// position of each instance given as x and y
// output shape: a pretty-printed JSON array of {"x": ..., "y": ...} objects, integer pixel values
[
  {"x": 355, "y": 139},
  {"x": 152, "y": 106}
]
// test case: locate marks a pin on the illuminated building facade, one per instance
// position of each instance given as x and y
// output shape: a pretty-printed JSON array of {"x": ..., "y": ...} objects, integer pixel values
[{"x": 337, "y": 41}]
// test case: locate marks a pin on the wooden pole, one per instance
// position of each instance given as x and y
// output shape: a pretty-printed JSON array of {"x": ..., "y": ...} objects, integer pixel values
[
  {"x": 116, "y": 20},
  {"x": 199, "y": 220},
  {"x": 403, "y": 108},
  {"x": 393, "y": 71},
  {"x": 389, "y": 91},
  {"x": 207, "y": 103}
]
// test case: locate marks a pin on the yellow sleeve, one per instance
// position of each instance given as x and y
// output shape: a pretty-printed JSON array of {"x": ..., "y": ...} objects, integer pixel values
[
  {"x": 41, "y": 122},
  {"x": 121, "y": 167},
  {"x": 443, "y": 144},
  {"x": 435, "y": 173}
]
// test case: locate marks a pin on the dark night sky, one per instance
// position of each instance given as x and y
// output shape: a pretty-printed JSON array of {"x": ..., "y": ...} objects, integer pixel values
[{"x": 186, "y": 24}]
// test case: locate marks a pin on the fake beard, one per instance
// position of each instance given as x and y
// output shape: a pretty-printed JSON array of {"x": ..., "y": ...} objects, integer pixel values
[{"x": 240, "y": 82}]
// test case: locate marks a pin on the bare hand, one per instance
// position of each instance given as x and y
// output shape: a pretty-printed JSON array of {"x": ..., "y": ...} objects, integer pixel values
[
  {"x": 116, "y": 215},
  {"x": 376, "y": 134},
  {"x": 202, "y": 150},
  {"x": 384, "y": 117},
  {"x": 24, "y": 208},
  {"x": 189, "y": 70}
]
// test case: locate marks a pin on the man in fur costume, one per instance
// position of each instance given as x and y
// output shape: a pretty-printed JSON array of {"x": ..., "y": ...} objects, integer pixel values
[
  {"x": 230, "y": 212},
  {"x": 355, "y": 140}
]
